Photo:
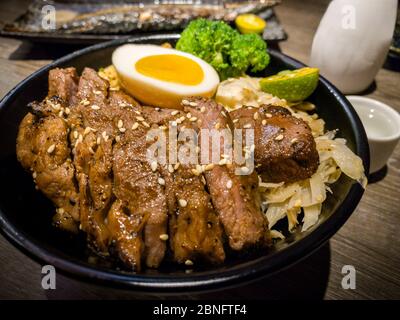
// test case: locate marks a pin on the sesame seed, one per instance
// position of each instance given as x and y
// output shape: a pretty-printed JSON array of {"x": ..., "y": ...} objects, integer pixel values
[
  {"x": 202, "y": 109},
  {"x": 51, "y": 148},
  {"x": 123, "y": 105},
  {"x": 189, "y": 262},
  {"x": 61, "y": 113},
  {"x": 34, "y": 175},
  {"x": 67, "y": 110},
  {"x": 137, "y": 112},
  {"x": 217, "y": 125},
  {"x": 203, "y": 180},
  {"x": 264, "y": 122},
  {"x": 293, "y": 140},
  {"x": 120, "y": 124},
  {"x": 185, "y": 102},
  {"x": 56, "y": 106},
  {"x": 223, "y": 113},
  {"x": 95, "y": 107},
  {"x": 255, "y": 116},
  {"x": 85, "y": 102},
  {"x": 182, "y": 118},
  {"x": 279, "y": 137},
  {"x": 229, "y": 184},
  {"x": 145, "y": 124},
  {"x": 122, "y": 130},
  {"x": 209, "y": 166},
  {"x": 174, "y": 113},
  {"x": 268, "y": 115},
  {"x": 199, "y": 168},
  {"x": 161, "y": 181},
  {"x": 245, "y": 170},
  {"x": 247, "y": 126},
  {"x": 193, "y": 119},
  {"x": 164, "y": 237},
  {"x": 91, "y": 150},
  {"x": 96, "y": 92},
  {"x": 235, "y": 120},
  {"x": 76, "y": 134},
  {"x": 162, "y": 127},
  {"x": 173, "y": 124},
  {"x": 118, "y": 138},
  {"x": 153, "y": 166},
  {"x": 176, "y": 166},
  {"x": 139, "y": 118},
  {"x": 182, "y": 203},
  {"x": 87, "y": 130},
  {"x": 195, "y": 172},
  {"x": 61, "y": 210},
  {"x": 98, "y": 140},
  {"x": 135, "y": 126},
  {"x": 222, "y": 162},
  {"x": 170, "y": 168},
  {"x": 157, "y": 109},
  {"x": 188, "y": 115},
  {"x": 193, "y": 104},
  {"x": 178, "y": 121}
]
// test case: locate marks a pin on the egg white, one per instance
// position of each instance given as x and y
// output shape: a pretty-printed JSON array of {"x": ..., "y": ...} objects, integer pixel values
[{"x": 157, "y": 92}]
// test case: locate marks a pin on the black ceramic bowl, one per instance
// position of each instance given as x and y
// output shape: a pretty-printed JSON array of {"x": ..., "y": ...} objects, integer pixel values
[{"x": 25, "y": 214}]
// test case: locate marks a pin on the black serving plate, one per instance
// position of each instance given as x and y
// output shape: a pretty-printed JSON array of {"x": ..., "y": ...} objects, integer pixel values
[
  {"x": 25, "y": 214},
  {"x": 29, "y": 25}
]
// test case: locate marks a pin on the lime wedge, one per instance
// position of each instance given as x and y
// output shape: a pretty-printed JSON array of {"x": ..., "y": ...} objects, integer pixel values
[{"x": 292, "y": 85}]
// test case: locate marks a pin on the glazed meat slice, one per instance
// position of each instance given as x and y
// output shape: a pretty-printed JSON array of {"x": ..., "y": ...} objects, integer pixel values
[
  {"x": 91, "y": 120},
  {"x": 126, "y": 229},
  {"x": 235, "y": 197},
  {"x": 137, "y": 182},
  {"x": 42, "y": 148},
  {"x": 285, "y": 149},
  {"x": 195, "y": 231},
  {"x": 63, "y": 83}
]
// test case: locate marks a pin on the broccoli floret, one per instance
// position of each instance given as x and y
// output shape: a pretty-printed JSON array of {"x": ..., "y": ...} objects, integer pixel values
[
  {"x": 229, "y": 52},
  {"x": 249, "y": 50}
]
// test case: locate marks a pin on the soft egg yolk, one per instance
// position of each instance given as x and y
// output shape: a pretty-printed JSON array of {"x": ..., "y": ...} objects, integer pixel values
[{"x": 171, "y": 68}]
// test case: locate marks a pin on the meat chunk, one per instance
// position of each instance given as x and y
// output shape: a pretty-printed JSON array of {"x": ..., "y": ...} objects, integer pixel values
[
  {"x": 42, "y": 147},
  {"x": 285, "y": 149},
  {"x": 235, "y": 197}
]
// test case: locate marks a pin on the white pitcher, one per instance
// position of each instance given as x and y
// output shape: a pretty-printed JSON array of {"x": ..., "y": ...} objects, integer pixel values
[{"x": 352, "y": 41}]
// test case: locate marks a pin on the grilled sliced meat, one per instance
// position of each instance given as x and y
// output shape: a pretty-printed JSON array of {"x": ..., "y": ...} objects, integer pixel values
[
  {"x": 136, "y": 182},
  {"x": 63, "y": 83},
  {"x": 285, "y": 149},
  {"x": 235, "y": 197},
  {"x": 42, "y": 147},
  {"x": 126, "y": 229},
  {"x": 93, "y": 129}
]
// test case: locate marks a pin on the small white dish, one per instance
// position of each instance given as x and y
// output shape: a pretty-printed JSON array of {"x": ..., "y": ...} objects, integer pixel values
[{"x": 382, "y": 125}]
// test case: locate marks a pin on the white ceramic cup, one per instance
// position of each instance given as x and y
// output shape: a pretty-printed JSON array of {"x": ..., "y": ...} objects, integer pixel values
[{"x": 382, "y": 125}]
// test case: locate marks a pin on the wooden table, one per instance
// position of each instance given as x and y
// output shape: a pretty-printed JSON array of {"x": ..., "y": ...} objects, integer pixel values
[{"x": 369, "y": 241}]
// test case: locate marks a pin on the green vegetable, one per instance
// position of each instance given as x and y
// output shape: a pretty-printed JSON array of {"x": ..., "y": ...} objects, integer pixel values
[
  {"x": 229, "y": 52},
  {"x": 292, "y": 85}
]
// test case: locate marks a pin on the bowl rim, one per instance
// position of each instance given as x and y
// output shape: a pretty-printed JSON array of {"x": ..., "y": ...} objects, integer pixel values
[{"x": 195, "y": 282}]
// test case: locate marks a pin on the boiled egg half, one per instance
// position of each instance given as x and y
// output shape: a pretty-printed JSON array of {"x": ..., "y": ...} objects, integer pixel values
[{"x": 162, "y": 77}]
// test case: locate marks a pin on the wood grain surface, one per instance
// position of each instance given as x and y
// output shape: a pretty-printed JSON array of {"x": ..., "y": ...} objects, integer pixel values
[{"x": 369, "y": 241}]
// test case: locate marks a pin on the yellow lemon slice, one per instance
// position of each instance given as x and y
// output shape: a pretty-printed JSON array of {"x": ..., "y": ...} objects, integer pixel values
[
  {"x": 292, "y": 85},
  {"x": 250, "y": 23}
]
